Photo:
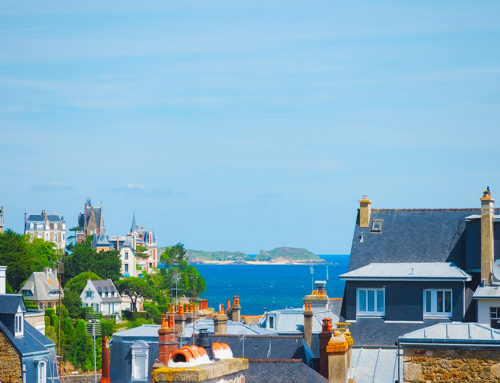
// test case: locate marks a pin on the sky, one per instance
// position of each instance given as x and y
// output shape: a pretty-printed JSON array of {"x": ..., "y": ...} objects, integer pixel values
[{"x": 246, "y": 125}]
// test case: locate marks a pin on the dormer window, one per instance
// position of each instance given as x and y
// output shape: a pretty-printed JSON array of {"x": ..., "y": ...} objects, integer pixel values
[
  {"x": 19, "y": 323},
  {"x": 376, "y": 226}
]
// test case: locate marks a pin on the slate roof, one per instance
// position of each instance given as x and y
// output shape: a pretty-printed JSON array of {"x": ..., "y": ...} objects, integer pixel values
[
  {"x": 233, "y": 328},
  {"x": 41, "y": 286},
  {"x": 485, "y": 292},
  {"x": 35, "y": 218},
  {"x": 107, "y": 286},
  {"x": 410, "y": 271},
  {"x": 374, "y": 365},
  {"x": 141, "y": 332},
  {"x": 412, "y": 235},
  {"x": 53, "y": 218},
  {"x": 455, "y": 332},
  {"x": 291, "y": 321},
  {"x": 33, "y": 342},
  {"x": 100, "y": 240},
  {"x": 10, "y": 302},
  {"x": 281, "y": 372},
  {"x": 377, "y": 332}
]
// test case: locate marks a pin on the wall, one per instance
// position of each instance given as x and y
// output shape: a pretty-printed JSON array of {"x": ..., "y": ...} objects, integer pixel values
[
  {"x": 459, "y": 365},
  {"x": 404, "y": 300},
  {"x": 10, "y": 362},
  {"x": 80, "y": 378},
  {"x": 483, "y": 309}
]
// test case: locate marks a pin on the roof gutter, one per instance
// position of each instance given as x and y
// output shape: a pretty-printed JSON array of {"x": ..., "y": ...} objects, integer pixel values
[{"x": 420, "y": 279}]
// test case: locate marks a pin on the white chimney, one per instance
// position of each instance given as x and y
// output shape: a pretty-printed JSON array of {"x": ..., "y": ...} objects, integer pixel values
[{"x": 3, "y": 270}]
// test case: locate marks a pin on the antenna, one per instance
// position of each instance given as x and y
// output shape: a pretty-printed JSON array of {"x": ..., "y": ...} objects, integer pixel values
[{"x": 496, "y": 270}]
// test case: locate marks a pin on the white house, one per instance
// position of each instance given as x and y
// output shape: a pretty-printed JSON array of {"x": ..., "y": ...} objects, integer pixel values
[{"x": 103, "y": 297}]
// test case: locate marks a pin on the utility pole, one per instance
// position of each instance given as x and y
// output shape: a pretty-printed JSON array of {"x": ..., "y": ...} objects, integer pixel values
[{"x": 59, "y": 272}]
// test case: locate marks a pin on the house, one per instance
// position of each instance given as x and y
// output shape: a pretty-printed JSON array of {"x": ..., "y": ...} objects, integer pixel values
[
  {"x": 27, "y": 355},
  {"x": 91, "y": 221},
  {"x": 49, "y": 227},
  {"x": 103, "y": 297},
  {"x": 412, "y": 268},
  {"x": 42, "y": 288},
  {"x": 2, "y": 222}
]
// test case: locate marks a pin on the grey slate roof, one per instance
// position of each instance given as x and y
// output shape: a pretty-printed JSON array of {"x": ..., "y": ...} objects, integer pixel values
[
  {"x": 377, "y": 332},
  {"x": 30, "y": 343},
  {"x": 410, "y": 271},
  {"x": 53, "y": 218},
  {"x": 35, "y": 218},
  {"x": 485, "y": 292},
  {"x": 374, "y": 365},
  {"x": 473, "y": 334},
  {"x": 41, "y": 286},
  {"x": 107, "y": 286},
  {"x": 233, "y": 328},
  {"x": 149, "y": 331},
  {"x": 412, "y": 235},
  {"x": 10, "y": 302},
  {"x": 282, "y": 372}
]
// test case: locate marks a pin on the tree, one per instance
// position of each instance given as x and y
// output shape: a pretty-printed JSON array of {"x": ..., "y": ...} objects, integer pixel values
[
  {"x": 43, "y": 253},
  {"x": 74, "y": 229},
  {"x": 134, "y": 287},
  {"x": 108, "y": 265},
  {"x": 141, "y": 251}
]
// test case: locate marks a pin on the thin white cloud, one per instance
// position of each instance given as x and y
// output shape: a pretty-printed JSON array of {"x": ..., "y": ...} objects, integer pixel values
[{"x": 50, "y": 186}]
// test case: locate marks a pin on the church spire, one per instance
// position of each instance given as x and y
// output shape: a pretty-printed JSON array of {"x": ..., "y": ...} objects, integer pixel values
[{"x": 134, "y": 225}]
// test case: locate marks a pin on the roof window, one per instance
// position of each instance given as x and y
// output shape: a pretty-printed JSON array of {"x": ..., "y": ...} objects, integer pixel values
[{"x": 376, "y": 226}]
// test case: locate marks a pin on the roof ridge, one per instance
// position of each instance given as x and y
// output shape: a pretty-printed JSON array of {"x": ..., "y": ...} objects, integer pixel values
[{"x": 431, "y": 209}]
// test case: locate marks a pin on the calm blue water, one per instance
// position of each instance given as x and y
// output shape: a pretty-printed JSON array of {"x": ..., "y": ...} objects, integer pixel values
[{"x": 270, "y": 286}]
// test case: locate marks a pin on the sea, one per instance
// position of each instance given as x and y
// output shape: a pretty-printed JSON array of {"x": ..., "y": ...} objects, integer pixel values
[{"x": 271, "y": 287}]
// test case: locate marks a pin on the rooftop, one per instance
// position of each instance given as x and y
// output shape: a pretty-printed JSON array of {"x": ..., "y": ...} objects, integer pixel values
[
  {"x": 373, "y": 365},
  {"x": 483, "y": 292}
]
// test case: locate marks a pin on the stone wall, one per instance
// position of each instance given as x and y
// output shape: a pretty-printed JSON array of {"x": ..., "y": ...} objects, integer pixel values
[
  {"x": 451, "y": 365},
  {"x": 88, "y": 378},
  {"x": 10, "y": 362}
]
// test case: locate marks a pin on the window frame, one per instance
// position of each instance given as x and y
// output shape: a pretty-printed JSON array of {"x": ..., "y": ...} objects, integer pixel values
[
  {"x": 18, "y": 324},
  {"x": 375, "y": 312},
  {"x": 376, "y": 221},
  {"x": 434, "y": 313},
  {"x": 497, "y": 317},
  {"x": 42, "y": 372}
]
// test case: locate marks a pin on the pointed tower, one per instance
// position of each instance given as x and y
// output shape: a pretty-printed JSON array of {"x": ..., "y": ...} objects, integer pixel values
[
  {"x": 133, "y": 228},
  {"x": 1, "y": 219}
]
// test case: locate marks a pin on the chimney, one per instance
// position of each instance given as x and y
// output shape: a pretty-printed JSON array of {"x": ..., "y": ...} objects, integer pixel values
[
  {"x": 338, "y": 357},
  {"x": 308, "y": 323},
  {"x": 220, "y": 321},
  {"x": 365, "y": 211},
  {"x": 487, "y": 250},
  {"x": 180, "y": 319},
  {"x": 105, "y": 360},
  {"x": 235, "y": 313},
  {"x": 324, "y": 338},
  {"x": 3, "y": 271},
  {"x": 204, "y": 341},
  {"x": 167, "y": 339}
]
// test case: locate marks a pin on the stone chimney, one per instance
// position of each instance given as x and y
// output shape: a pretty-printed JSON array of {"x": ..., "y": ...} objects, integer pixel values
[
  {"x": 324, "y": 338},
  {"x": 167, "y": 339},
  {"x": 190, "y": 313},
  {"x": 365, "y": 211},
  {"x": 105, "y": 360},
  {"x": 180, "y": 319},
  {"x": 235, "y": 312},
  {"x": 487, "y": 249},
  {"x": 3, "y": 279},
  {"x": 220, "y": 322},
  {"x": 338, "y": 357},
  {"x": 308, "y": 323}
]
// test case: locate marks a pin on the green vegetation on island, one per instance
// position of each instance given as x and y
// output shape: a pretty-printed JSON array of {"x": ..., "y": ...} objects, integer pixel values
[{"x": 279, "y": 255}]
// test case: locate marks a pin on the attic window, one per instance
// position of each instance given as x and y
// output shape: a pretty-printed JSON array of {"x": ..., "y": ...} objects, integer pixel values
[
  {"x": 376, "y": 226},
  {"x": 18, "y": 329}
]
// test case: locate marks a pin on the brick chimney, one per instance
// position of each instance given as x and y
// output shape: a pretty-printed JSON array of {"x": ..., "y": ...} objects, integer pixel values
[
  {"x": 3, "y": 276},
  {"x": 180, "y": 319},
  {"x": 167, "y": 339},
  {"x": 487, "y": 249},
  {"x": 308, "y": 323},
  {"x": 220, "y": 321},
  {"x": 365, "y": 211},
  {"x": 235, "y": 312},
  {"x": 324, "y": 338},
  {"x": 105, "y": 360},
  {"x": 338, "y": 357}
]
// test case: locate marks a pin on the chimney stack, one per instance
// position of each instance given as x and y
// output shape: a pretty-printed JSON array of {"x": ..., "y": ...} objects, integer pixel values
[
  {"x": 235, "y": 312},
  {"x": 105, "y": 360},
  {"x": 3, "y": 279},
  {"x": 167, "y": 339},
  {"x": 180, "y": 319},
  {"x": 487, "y": 249},
  {"x": 337, "y": 350},
  {"x": 365, "y": 211},
  {"x": 308, "y": 323},
  {"x": 324, "y": 338},
  {"x": 220, "y": 322}
]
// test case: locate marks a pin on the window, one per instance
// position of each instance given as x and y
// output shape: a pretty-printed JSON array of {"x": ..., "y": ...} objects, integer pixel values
[
  {"x": 42, "y": 372},
  {"x": 63, "y": 237},
  {"x": 32, "y": 227},
  {"x": 377, "y": 226},
  {"x": 126, "y": 267},
  {"x": 27, "y": 293},
  {"x": 437, "y": 303},
  {"x": 89, "y": 294},
  {"x": 126, "y": 255},
  {"x": 371, "y": 302},
  {"x": 55, "y": 237},
  {"x": 271, "y": 321},
  {"x": 18, "y": 331},
  {"x": 140, "y": 351},
  {"x": 495, "y": 317},
  {"x": 55, "y": 226}
]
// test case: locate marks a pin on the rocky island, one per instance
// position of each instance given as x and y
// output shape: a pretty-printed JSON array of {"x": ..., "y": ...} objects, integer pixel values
[{"x": 278, "y": 256}]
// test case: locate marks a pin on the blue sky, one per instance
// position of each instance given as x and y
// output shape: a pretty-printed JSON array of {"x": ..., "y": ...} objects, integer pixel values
[{"x": 246, "y": 125}]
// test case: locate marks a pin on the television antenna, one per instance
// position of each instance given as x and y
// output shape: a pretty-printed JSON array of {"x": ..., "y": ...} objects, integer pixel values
[
  {"x": 311, "y": 270},
  {"x": 93, "y": 325}
]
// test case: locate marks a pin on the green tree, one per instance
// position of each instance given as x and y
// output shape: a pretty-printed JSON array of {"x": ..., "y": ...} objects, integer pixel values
[
  {"x": 43, "y": 253},
  {"x": 134, "y": 287},
  {"x": 108, "y": 265},
  {"x": 82, "y": 347},
  {"x": 14, "y": 254},
  {"x": 141, "y": 251}
]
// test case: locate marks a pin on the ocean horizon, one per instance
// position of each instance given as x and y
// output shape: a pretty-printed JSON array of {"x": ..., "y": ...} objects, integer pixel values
[{"x": 271, "y": 287}]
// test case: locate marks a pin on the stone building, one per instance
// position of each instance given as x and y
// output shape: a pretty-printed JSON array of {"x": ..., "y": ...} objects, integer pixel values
[
  {"x": 91, "y": 221},
  {"x": 26, "y": 355},
  {"x": 42, "y": 288},
  {"x": 49, "y": 227}
]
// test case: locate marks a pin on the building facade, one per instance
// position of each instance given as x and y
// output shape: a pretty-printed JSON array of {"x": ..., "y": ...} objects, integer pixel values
[
  {"x": 49, "y": 227},
  {"x": 103, "y": 297},
  {"x": 91, "y": 221}
]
